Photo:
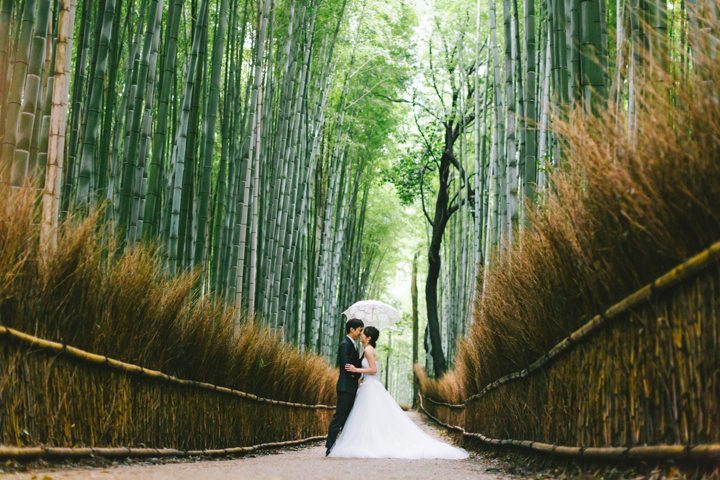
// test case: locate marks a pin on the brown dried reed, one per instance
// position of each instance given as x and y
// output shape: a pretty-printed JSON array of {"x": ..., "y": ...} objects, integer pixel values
[{"x": 124, "y": 306}]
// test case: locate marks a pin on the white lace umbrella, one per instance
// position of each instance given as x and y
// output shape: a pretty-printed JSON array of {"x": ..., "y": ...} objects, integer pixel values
[{"x": 373, "y": 313}]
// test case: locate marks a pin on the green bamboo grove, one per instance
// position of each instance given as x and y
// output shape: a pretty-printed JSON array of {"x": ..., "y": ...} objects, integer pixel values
[
  {"x": 229, "y": 134},
  {"x": 245, "y": 139},
  {"x": 497, "y": 76}
]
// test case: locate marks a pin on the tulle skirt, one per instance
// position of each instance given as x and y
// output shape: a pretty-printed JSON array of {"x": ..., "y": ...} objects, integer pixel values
[{"x": 378, "y": 428}]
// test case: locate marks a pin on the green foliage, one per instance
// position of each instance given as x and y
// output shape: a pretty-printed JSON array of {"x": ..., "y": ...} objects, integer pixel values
[
  {"x": 406, "y": 171},
  {"x": 385, "y": 223},
  {"x": 376, "y": 56}
]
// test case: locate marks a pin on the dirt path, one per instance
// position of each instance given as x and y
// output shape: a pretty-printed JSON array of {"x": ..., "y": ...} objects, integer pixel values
[{"x": 302, "y": 463}]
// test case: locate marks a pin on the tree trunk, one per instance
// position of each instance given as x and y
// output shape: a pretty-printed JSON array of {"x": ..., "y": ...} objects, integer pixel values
[
  {"x": 434, "y": 262},
  {"x": 387, "y": 360},
  {"x": 415, "y": 325}
]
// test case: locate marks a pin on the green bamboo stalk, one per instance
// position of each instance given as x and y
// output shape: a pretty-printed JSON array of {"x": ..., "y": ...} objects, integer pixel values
[
  {"x": 510, "y": 152},
  {"x": 278, "y": 218},
  {"x": 544, "y": 133},
  {"x": 259, "y": 152},
  {"x": 152, "y": 197},
  {"x": 252, "y": 179},
  {"x": 235, "y": 235},
  {"x": 225, "y": 180},
  {"x": 89, "y": 154},
  {"x": 123, "y": 116},
  {"x": 126, "y": 111},
  {"x": 107, "y": 159},
  {"x": 76, "y": 110},
  {"x": 559, "y": 52},
  {"x": 572, "y": 43},
  {"x": 188, "y": 207},
  {"x": 296, "y": 245},
  {"x": 499, "y": 137},
  {"x": 209, "y": 131},
  {"x": 10, "y": 173},
  {"x": 187, "y": 204},
  {"x": 41, "y": 127},
  {"x": 591, "y": 65},
  {"x": 478, "y": 178},
  {"x": 530, "y": 119},
  {"x": 178, "y": 160},
  {"x": 91, "y": 49},
  {"x": 140, "y": 181},
  {"x": 131, "y": 150},
  {"x": 6, "y": 12},
  {"x": 31, "y": 95},
  {"x": 41, "y": 140},
  {"x": 483, "y": 195},
  {"x": 228, "y": 272}
]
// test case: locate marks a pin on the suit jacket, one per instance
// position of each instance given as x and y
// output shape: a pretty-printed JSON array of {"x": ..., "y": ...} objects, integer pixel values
[{"x": 347, "y": 353}]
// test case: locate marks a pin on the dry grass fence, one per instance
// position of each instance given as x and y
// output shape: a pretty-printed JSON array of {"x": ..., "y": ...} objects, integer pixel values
[
  {"x": 61, "y": 395},
  {"x": 665, "y": 334},
  {"x": 78, "y": 398},
  {"x": 622, "y": 211}
]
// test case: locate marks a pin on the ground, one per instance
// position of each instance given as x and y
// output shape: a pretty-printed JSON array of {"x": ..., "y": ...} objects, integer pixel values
[
  {"x": 300, "y": 463},
  {"x": 309, "y": 462}
]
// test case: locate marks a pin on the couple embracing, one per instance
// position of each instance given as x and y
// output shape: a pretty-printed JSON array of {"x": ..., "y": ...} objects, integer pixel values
[{"x": 368, "y": 423}]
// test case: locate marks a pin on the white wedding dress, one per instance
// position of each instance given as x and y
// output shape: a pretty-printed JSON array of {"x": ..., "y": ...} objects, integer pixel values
[{"x": 378, "y": 428}]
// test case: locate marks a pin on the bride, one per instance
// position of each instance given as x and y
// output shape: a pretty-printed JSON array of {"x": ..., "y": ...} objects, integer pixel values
[{"x": 377, "y": 427}]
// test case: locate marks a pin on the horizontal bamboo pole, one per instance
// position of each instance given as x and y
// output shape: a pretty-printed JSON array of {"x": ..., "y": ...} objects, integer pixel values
[
  {"x": 437, "y": 420},
  {"x": 663, "y": 283},
  {"x": 127, "y": 452},
  {"x": 457, "y": 406},
  {"x": 82, "y": 355},
  {"x": 707, "y": 452}
]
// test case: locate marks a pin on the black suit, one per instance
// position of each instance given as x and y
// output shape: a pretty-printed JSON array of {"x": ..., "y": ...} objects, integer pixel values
[{"x": 347, "y": 386}]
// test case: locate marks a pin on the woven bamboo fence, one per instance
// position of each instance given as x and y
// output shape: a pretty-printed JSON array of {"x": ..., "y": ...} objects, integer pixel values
[
  {"x": 60, "y": 401},
  {"x": 641, "y": 380}
]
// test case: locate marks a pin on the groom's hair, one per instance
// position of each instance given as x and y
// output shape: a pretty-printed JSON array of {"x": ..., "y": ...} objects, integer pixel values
[{"x": 352, "y": 324}]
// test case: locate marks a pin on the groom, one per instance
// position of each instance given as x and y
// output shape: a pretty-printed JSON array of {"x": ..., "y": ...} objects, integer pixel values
[{"x": 347, "y": 384}]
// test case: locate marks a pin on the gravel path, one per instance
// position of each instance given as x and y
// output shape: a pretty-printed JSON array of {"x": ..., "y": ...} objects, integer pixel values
[{"x": 302, "y": 463}]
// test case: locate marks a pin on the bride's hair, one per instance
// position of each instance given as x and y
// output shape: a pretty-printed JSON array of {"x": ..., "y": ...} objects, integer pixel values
[{"x": 373, "y": 333}]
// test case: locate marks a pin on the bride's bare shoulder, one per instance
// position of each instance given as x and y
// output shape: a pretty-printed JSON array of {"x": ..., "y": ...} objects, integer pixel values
[{"x": 369, "y": 349}]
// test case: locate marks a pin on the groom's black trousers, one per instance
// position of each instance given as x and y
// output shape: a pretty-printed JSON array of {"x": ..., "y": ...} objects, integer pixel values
[{"x": 345, "y": 402}]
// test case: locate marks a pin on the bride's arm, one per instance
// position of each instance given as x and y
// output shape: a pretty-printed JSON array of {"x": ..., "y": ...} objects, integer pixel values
[{"x": 370, "y": 355}]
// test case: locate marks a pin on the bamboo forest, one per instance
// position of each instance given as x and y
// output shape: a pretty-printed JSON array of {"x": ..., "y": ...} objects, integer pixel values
[{"x": 197, "y": 197}]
